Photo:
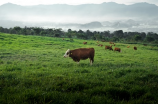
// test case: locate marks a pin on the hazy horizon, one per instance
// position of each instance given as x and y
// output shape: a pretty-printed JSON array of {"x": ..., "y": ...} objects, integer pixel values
[
  {"x": 74, "y": 2},
  {"x": 137, "y": 17}
]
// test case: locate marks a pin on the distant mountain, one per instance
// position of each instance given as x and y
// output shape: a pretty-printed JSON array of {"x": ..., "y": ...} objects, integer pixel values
[
  {"x": 105, "y": 16},
  {"x": 139, "y": 10},
  {"x": 92, "y": 25}
]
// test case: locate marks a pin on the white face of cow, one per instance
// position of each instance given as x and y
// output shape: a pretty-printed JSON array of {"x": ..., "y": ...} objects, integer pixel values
[{"x": 67, "y": 53}]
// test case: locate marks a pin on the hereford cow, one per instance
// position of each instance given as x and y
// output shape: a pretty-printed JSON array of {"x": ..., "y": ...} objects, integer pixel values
[
  {"x": 135, "y": 48},
  {"x": 84, "y": 42},
  {"x": 100, "y": 45},
  {"x": 108, "y": 47},
  {"x": 81, "y": 54},
  {"x": 117, "y": 49}
]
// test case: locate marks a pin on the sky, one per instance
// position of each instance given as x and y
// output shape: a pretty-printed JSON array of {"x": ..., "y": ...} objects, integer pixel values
[{"x": 73, "y": 2}]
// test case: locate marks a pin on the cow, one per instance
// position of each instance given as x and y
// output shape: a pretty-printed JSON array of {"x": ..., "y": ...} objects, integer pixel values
[
  {"x": 135, "y": 48},
  {"x": 108, "y": 47},
  {"x": 81, "y": 54},
  {"x": 84, "y": 42},
  {"x": 117, "y": 49},
  {"x": 100, "y": 45},
  {"x": 128, "y": 46},
  {"x": 145, "y": 44}
]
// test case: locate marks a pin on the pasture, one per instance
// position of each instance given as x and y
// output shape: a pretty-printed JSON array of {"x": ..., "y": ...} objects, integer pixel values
[{"x": 34, "y": 71}]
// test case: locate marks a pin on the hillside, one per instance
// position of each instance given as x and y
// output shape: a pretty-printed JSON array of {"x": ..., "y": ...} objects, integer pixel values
[{"x": 33, "y": 70}]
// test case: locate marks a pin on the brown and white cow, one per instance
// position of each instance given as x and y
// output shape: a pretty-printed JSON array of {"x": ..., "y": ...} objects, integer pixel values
[
  {"x": 81, "y": 54},
  {"x": 100, "y": 45},
  {"x": 108, "y": 47},
  {"x": 84, "y": 42},
  {"x": 117, "y": 49},
  {"x": 128, "y": 46}
]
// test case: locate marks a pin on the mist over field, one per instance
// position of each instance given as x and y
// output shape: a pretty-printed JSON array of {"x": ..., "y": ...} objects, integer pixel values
[{"x": 140, "y": 17}]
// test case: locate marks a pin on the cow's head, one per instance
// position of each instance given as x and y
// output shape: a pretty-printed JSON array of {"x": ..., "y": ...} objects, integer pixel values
[{"x": 67, "y": 53}]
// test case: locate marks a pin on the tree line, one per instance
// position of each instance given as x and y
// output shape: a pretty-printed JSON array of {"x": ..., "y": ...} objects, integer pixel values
[{"x": 116, "y": 36}]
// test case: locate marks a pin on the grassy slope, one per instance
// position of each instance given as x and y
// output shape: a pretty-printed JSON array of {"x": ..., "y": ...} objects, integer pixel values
[{"x": 33, "y": 70}]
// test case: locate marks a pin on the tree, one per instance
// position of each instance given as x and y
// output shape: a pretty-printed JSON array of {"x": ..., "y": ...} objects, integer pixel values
[
  {"x": 56, "y": 35},
  {"x": 24, "y": 31},
  {"x": 17, "y": 29},
  {"x": 1, "y": 29},
  {"x": 137, "y": 37},
  {"x": 37, "y": 30},
  {"x": 115, "y": 39},
  {"x": 143, "y": 35},
  {"x": 149, "y": 38},
  {"x": 119, "y": 34},
  {"x": 12, "y": 31},
  {"x": 43, "y": 33}
]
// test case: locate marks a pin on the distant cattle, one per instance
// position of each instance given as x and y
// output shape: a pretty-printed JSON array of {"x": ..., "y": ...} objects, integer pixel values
[
  {"x": 81, "y": 54},
  {"x": 71, "y": 39},
  {"x": 135, "y": 48},
  {"x": 151, "y": 47},
  {"x": 100, "y": 45},
  {"x": 84, "y": 42},
  {"x": 128, "y": 46},
  {"x": 117, "y": 49},
  {"x": 145, "y": 44},
  {"x": 111, "y": 42},
  {"x": 62, "y": 38},
  {"x": 108, "y": 47}
]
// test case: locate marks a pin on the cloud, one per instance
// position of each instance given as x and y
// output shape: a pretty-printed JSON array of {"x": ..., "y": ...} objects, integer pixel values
[{"x": 74, "y": 2}]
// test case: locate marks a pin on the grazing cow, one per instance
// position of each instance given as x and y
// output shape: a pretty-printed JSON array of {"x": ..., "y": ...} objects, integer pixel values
[
  {"x": 63, "y": 39},
  {"x": 81, "y": 54},
  {"x": 117, "y": 49},
  {"x": 135, "y": 48},
  {"x": 84, "y": 42},
  {"x": 108, "y": 47},
  {"x": 100, "y": 45},
  {"x": 145, "y": 44},
  {"x": 128, "y": 46}
]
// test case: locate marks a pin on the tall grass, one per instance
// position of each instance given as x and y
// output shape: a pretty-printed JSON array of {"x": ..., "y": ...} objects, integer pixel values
[{"x": 33, "y": 70}]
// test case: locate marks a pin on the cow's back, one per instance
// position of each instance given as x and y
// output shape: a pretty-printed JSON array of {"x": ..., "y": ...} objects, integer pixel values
[{"x": 83, "y": 53}]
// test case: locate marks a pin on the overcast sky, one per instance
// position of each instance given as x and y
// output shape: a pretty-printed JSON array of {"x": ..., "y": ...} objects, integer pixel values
[{"x": 73, "y": 2}]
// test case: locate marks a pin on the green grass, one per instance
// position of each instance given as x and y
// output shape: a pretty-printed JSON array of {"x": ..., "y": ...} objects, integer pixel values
[{"x": 33, "y": 71}]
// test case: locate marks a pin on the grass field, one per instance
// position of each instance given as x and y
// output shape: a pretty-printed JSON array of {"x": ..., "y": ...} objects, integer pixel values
[{"x": 33, "y": 71}]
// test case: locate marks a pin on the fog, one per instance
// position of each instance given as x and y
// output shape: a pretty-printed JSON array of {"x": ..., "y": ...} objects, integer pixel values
[{"x": 140, "y": 17}]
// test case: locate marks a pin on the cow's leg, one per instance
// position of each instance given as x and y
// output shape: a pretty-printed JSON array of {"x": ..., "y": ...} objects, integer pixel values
[
  {"x": 78, "y": 61},
  {"x": 91, "y": 62}
]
